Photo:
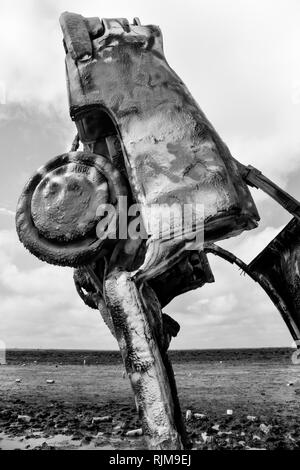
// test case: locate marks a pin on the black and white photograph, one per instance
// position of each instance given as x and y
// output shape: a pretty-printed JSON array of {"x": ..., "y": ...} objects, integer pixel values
[{"x": 150, "y": 228}]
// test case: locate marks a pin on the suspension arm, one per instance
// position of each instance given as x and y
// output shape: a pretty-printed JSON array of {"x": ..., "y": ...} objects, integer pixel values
[{"x": 255, "y": 178}]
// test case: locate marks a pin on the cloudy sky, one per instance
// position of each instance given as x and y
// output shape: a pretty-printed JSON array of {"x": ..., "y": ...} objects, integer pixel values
[{"x": 241, "y": 61}]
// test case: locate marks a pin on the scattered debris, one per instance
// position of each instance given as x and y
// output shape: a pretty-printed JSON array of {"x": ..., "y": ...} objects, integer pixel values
[
  {"x": 199, "y": 415},
  {"x": 206, "y": 437},
  {"x": 216, "y": 427},
  {"x": 288, "y": 436},
  {"x": 44, "y": 446},
  {"x": 24, "y": 418},
  {"x": 251, "y": 418},
  {"x": 265, "y": 429},
  {"x": 254, "y": 448},
  {"x": 101, "y": 419},
  {"x": 188, "y": 415},
  {"x": 135, "y": 433},
  {"x": 117, "y": 428},
  {"x": 225, "y": 433}
]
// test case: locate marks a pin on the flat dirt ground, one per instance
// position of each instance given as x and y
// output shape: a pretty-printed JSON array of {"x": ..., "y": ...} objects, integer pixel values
[{"x": 263, "y": 397}]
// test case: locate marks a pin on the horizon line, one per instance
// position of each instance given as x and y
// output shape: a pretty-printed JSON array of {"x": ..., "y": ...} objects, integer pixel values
[{"x": 170, "y": 350}]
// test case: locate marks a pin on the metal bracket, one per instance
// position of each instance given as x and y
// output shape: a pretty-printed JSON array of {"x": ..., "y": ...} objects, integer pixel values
[{"x": 255, "y": 178}]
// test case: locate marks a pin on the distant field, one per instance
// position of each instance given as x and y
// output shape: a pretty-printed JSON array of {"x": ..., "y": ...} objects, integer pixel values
[{"x": 74, "y": 357}]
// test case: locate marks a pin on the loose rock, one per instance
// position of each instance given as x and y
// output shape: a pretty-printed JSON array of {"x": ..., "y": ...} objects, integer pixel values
[
  {"x": 216, "y": 427},
  {"x": 199, "y": 416},
  {"x": 251, "y": 418},
  {"x": 24, "y": 418},
  {"x": 265, "y": 429},
  {"x": 101, "y": 419},
  {"x": 135, "y": 433}
]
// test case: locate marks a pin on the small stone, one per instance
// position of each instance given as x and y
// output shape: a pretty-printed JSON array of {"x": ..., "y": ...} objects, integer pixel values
[
  {"x": 50, "y": 381},
  {"x": 206, "y": 437},
  {"x": 265, "y": 429},
  {"x": 24, "y": 418},
  {"x": 45, "y": 446},
  {"x": 290, "y": 384},
  {"x": 135, "y": 433},
  {"x": 199, "y": 416},
  {"x": 216, "y": 427},
  {"x": 188, "y": 415},
  {"x": 18, "y": 381},
  {"x": 101, "y": 419},
  {"x": 229, "y": 412},
  {"x": 251, "y": 418},
  {"x": 256, "y": 438},
  {"x": 254, "y": 448}
]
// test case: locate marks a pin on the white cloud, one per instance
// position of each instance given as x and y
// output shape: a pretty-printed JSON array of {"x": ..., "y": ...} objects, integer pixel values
[
  {"x": 40, "y": 306},
  {"x": 250, "y": 244},
  {"x": 4, "y": 211},
  {"x": 234, "y": 311}
]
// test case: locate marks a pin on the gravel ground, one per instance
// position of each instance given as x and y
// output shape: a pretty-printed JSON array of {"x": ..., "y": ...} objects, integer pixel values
[{"x": 263, "y": 397}]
